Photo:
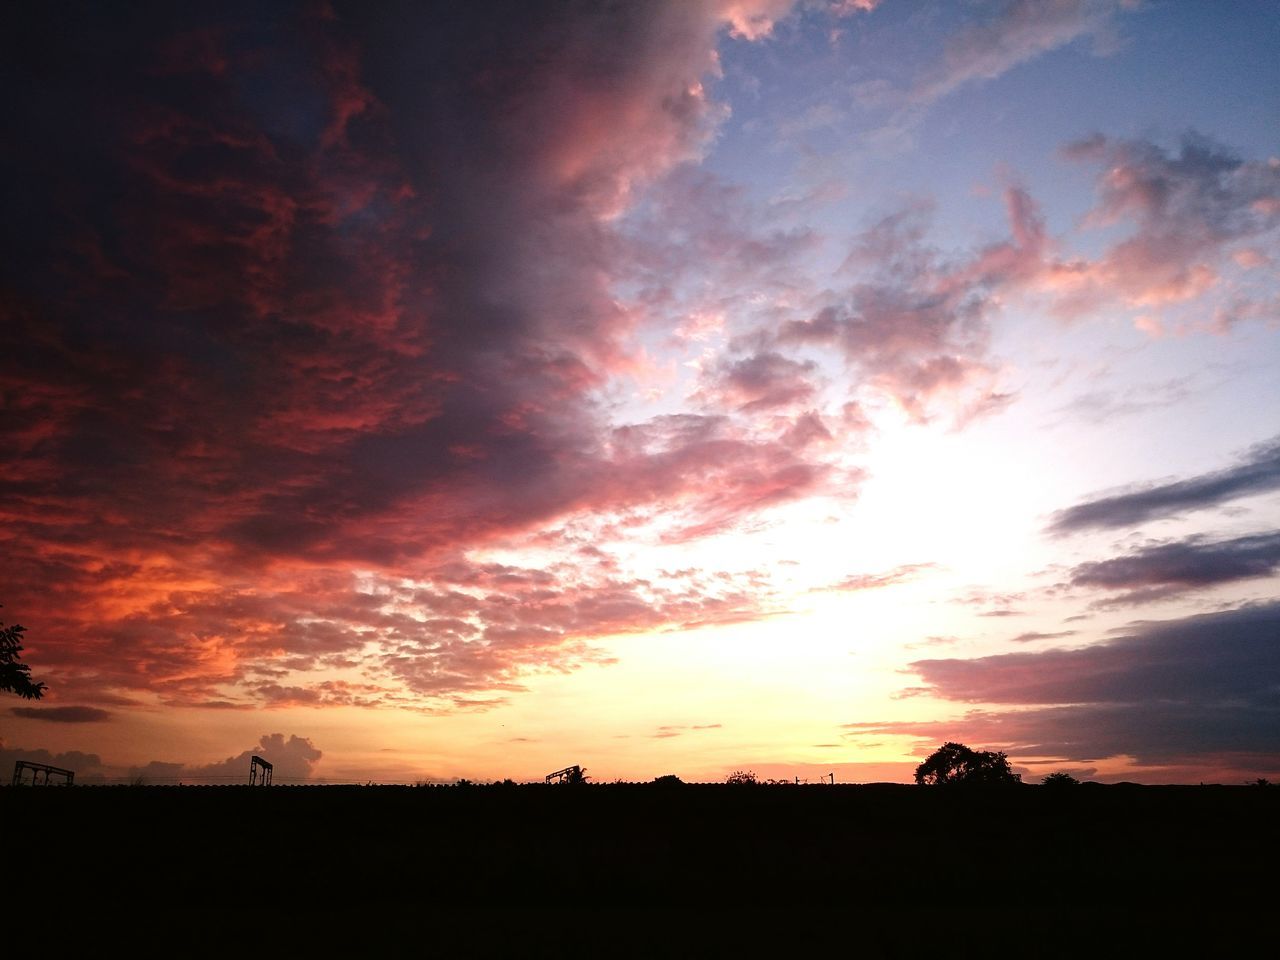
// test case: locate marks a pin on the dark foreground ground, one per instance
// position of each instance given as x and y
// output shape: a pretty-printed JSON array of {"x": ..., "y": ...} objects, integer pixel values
[{"x": 621, "y": 845}]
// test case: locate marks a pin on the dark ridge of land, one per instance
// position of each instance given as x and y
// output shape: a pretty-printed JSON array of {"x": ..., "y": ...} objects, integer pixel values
[{"x": 630, "y": 845}]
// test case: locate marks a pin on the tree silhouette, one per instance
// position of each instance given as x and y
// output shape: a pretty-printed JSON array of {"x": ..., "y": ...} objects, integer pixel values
[
  {"x": 1060, "y": 779},
  {"x": 15, "y": 676},
  {"x": 955, "y": 764},
  {"x": 742, "y": 778}
]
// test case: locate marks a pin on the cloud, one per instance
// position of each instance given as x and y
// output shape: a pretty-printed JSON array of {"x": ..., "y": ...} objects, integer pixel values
[
  {"x": 996, "y": 604},
  {"x": 63, "y": 714},
  {"x": 992, "y": 39},
  {"x": 762, "y": 381},
  {"x": 1033, "y": 636},
  {"x": 1164, "y": 568},
  {"x": 1016, "y": 31},
  {"x": 674, "y": 730},
  {"x": 1189, "y": 218},
  {"x": 874, "y": 581},
  {"x": 1257, "y": 472},
  {"x": 1200, "y": 690},
  {"x": 1104, "y": 406},
  {"x": 1188, "y": 208},
  {"x": 845, "y": 8},
  {"x": 86, "y": 766},
  {"x": 699, "y": 230},
  {"x": 917, "y": 327},
  {"x": 292, "y": 760},
  {"x": 306, "y": 303}
]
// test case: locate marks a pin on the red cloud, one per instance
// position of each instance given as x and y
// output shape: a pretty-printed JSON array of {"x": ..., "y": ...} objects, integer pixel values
[{"x": 335, "y": 296}]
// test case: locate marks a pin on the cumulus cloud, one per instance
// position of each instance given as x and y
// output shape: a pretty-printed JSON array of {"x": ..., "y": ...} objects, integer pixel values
[
  {"x": 1201, "y": 689},
  {"x": 917, "y": 326},
  {"x": 292, "y": 760},
  {"x": 1257, "y": 472},
  {"x": 1187, "y": 209}
]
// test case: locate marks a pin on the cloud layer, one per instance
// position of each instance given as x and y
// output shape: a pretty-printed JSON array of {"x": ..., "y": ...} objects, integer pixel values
[{"x": 1202, "y": 689}]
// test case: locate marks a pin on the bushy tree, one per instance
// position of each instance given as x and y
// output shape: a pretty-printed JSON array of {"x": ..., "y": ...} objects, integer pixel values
[
  {"x": 1060, "y": 779},
  {"x": 15, "y": 676},
  {"x": 742, "y": 778},
  {"x": 954, "y": 764}
]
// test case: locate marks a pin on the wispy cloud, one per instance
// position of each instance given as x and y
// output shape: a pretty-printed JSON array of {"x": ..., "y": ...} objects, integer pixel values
[
  {"x": 1035, "y": 636},
  {"x": 874, "y": 581},
  {"x": 1013, "y": 33}
]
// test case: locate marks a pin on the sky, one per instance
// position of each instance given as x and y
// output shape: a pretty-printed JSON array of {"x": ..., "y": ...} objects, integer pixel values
[{"x": 407, "y": 392}]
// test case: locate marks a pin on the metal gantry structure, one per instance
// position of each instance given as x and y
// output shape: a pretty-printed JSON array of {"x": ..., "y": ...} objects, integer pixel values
[
  {"x": 567, "y": 775},
  {"x": 21, "y": 767},
  {"x": 259, "y": 772}
]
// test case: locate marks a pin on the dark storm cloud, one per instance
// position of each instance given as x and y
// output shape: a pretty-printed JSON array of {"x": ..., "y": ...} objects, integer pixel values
[
  {"x": 1169, "y": 691},
  {"x": 1258, "y": 472},
  {"x": 1161, "y": 569}
]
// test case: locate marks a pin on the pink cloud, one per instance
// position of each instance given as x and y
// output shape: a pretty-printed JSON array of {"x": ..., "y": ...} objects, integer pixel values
[
  {"x": 917, "y": 328},
  {"x": 1186, "y": 210}
]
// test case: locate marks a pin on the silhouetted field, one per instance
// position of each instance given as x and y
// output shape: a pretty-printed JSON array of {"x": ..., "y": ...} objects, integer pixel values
[{"x": 639, "y": 844}]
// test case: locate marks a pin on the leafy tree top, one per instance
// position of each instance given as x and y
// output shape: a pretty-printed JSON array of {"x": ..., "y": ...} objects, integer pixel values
[
  {"x": 955, "y": 764},
  {"x": 15, "y": 676}
]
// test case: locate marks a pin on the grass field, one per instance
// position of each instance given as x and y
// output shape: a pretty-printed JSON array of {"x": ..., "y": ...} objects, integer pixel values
[{"x": 640, "y": 844}]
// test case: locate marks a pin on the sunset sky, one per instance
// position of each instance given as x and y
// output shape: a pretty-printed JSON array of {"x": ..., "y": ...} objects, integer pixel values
[{"x": 413, "y": 391}]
